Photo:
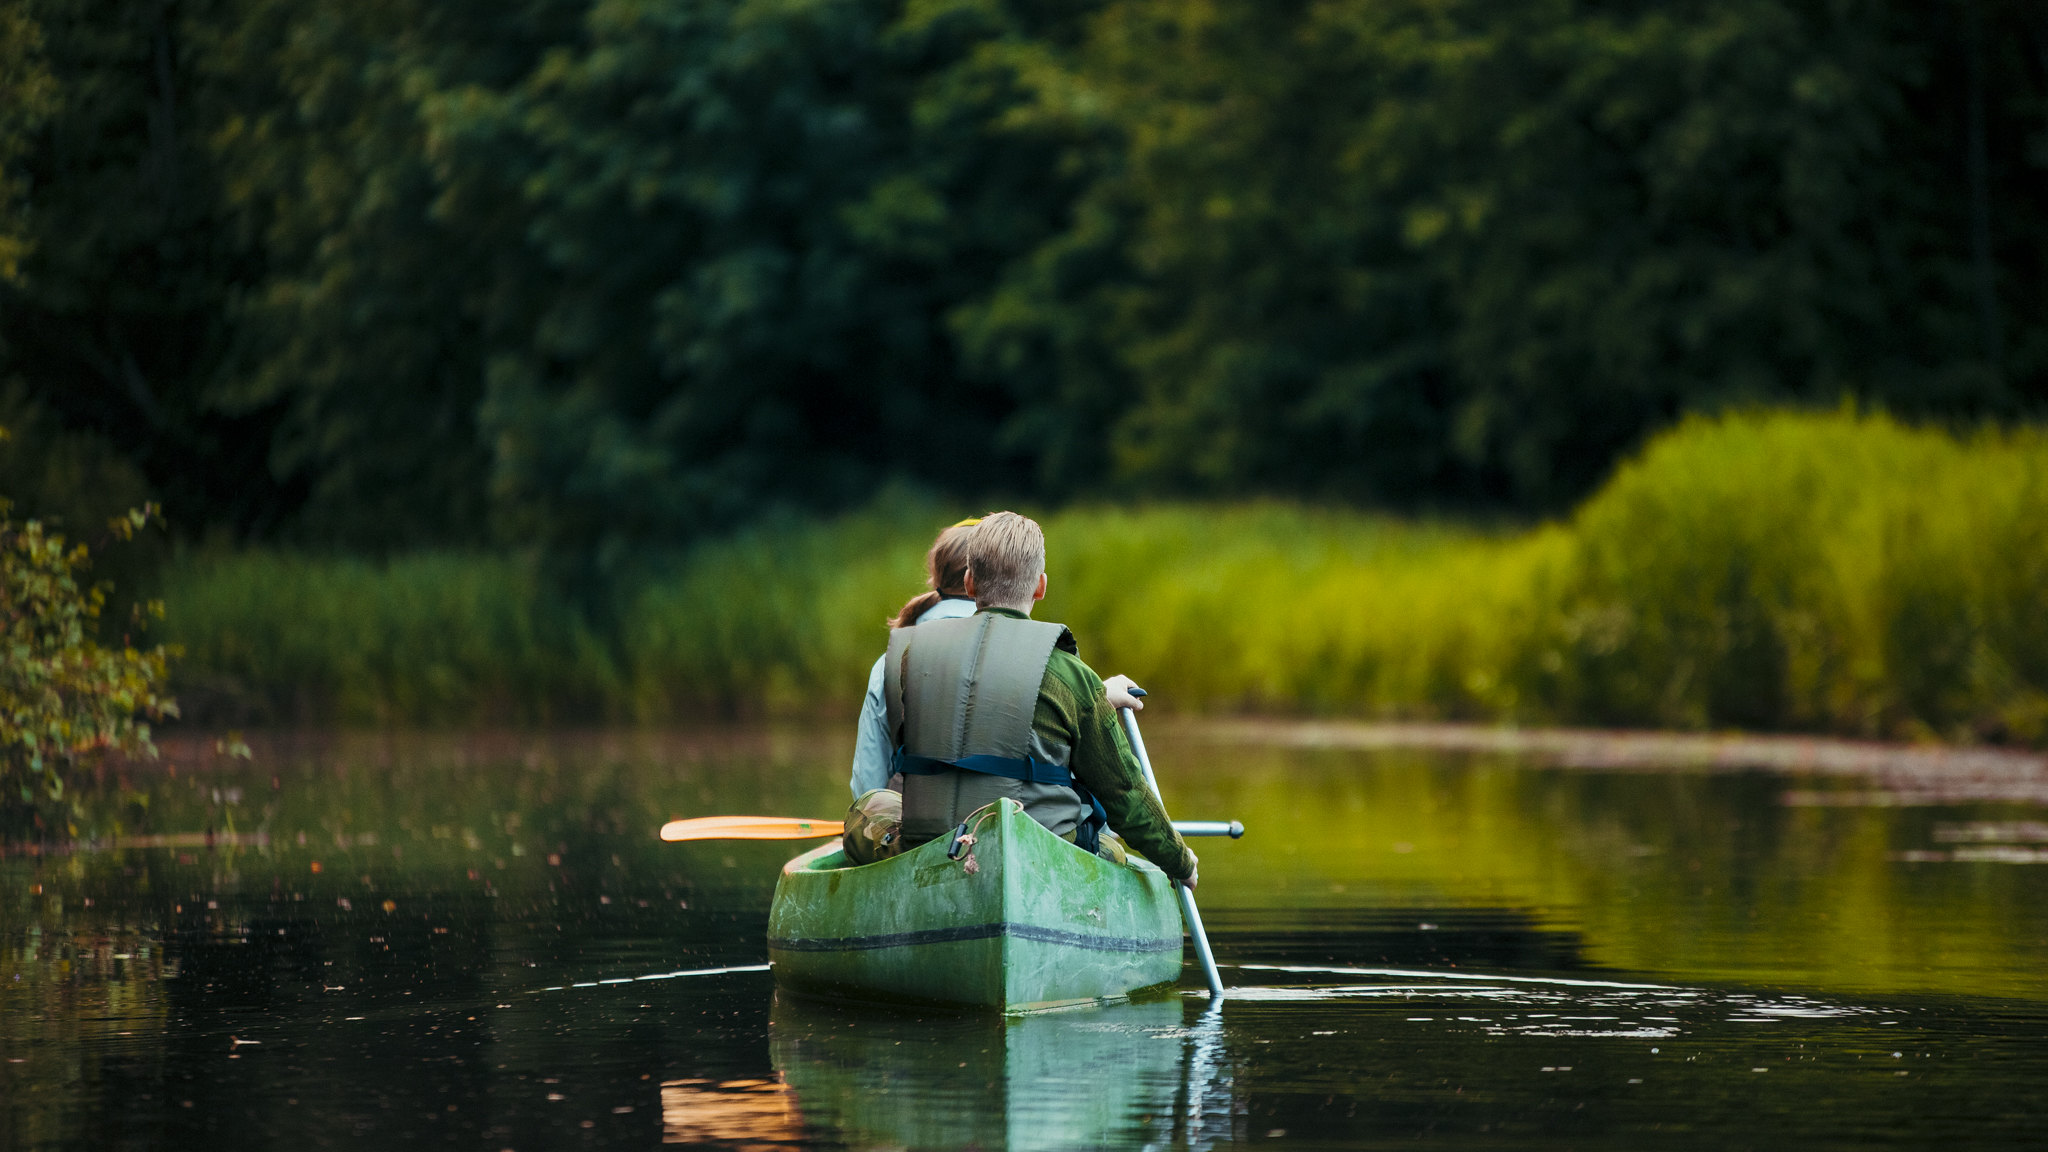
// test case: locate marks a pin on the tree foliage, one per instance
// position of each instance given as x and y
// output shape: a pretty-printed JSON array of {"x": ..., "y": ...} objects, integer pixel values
[
  {"x": 606, "y": 274},
  {"x": 385, "y": 264},
  {"x": 27, "y": 96},
  {"x": 1480, "y": 247},
  {"x": 752, "y": 225},
  {"x": 119, "y": 318}
]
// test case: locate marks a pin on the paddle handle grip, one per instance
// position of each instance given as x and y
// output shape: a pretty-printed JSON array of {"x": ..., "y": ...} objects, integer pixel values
[{"x": 1230, "y": 828}]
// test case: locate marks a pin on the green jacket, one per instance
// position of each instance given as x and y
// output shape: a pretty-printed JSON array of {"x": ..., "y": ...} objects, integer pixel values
[{"x": 1073, "y": 709}]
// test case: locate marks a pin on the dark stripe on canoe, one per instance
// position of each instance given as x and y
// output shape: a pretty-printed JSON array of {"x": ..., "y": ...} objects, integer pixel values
[{"x": 976, "y": 932}]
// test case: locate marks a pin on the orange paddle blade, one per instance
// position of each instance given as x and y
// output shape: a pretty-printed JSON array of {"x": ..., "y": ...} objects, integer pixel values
[{"x": 750, "y": 828}]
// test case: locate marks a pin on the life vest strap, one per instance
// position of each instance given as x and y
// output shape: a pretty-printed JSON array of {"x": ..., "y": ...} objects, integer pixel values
[{"x": 1031, "y": 771}]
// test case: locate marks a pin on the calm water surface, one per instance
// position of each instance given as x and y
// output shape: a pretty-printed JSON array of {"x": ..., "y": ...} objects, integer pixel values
[{"x": 380, "y": 942}]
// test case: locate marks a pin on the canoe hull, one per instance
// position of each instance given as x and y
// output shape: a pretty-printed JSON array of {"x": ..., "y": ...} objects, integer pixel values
[{"x": 1035, "y": 923}]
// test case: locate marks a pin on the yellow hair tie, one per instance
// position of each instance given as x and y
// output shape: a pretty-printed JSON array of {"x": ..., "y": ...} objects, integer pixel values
[{"x": 970, "y": 522}]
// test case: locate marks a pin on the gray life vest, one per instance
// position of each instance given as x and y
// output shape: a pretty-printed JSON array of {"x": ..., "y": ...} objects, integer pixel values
[{"x": 960, "y": 696}]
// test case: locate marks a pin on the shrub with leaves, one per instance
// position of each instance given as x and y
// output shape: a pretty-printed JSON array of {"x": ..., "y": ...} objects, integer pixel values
[{"x": 65, "y": 696}]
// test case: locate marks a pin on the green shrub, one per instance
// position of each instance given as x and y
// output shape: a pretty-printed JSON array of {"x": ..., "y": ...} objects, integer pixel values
[
  {"x": 65, "y": 698},
  {"x": 1836, "y": 572}
]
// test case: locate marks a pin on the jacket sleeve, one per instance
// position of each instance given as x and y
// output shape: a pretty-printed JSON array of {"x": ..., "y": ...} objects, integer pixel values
[
  {"x": 872, "y": 752},
  {"x": 1103, "y": 761}
]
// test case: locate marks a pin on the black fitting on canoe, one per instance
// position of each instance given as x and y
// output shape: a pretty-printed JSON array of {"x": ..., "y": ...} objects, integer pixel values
[{"x": 959, "y": 834}]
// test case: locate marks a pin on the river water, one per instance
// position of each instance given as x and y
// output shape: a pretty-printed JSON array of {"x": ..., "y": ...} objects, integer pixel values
[{"x": 477, "y": 942}]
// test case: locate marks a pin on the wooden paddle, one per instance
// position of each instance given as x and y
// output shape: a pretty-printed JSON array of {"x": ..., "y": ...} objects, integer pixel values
[{"x": 750, "y": 828}]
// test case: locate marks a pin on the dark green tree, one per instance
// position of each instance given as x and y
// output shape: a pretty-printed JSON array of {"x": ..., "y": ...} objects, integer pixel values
[
  {"x": 28, "y": 94},
  {"x": 1399, "y": 250},
  {"x": 752, "y": 222},
  {"x": 606, "y": 275},
  {"x": 117, "y": 321},
  {"x": 628, "y": 272},
  {"x": 383, "y": 260}
]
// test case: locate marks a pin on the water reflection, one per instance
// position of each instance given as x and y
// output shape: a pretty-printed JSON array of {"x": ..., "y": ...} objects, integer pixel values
[
  {"x": 1118, "y": 1075},
  {"x": 478, "y": 942},
  {"x": 743, "y": 1115}
]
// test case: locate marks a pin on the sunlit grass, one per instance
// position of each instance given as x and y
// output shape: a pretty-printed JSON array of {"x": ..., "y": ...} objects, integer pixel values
[
  {"x": 1834, "y": 572},
  {"x": 1837, "y": 572}
]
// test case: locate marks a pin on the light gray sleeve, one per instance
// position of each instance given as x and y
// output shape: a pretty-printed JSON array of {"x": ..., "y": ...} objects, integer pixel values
[{"x": 872, "y": 752}]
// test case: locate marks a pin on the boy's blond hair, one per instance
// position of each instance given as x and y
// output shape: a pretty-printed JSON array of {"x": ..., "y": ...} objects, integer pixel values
[{"x": 1006, "y": 557}]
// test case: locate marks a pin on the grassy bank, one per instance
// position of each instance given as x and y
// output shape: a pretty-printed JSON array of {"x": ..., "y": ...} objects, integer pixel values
[
  {"x": 1827, "y": 572},
  {"x": 435, "y": 639}
]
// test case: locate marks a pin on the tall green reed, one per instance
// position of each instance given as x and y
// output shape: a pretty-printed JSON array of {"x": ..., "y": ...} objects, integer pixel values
[
  {"x": 1837, "y": 572},
  {"x": 438, "y": 638},
  {"x": 783, "y": 619}
]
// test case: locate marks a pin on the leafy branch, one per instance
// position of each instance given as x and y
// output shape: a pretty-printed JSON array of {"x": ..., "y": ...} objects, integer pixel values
[{"x": 65, "y": 696}]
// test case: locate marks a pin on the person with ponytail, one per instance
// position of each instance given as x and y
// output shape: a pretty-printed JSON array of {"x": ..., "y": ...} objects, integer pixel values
[
  {"x": 877, "y": 809},
  {"x": 946, "y": 599}
]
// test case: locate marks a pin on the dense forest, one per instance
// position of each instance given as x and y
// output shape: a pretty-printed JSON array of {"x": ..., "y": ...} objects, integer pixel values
[{"x": 600, "y": 275}]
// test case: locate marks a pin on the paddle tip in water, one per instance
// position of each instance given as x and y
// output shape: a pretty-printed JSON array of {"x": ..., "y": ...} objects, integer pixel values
[{"x": 749, "y": 828}]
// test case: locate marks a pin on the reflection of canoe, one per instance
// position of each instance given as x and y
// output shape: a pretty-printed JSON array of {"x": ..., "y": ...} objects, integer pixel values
[
  {"x": 1023, "y": 921},
  {"x": 1110, "y": 1076}
]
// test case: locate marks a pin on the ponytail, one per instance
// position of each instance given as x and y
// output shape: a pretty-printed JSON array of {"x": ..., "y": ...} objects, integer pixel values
[
  {"x": 945, "y": 573},
  {"x": 917, "y": 606}
]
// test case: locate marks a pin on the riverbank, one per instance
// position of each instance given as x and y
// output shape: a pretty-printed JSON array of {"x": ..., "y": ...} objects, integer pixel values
[
  {"x": 1870, "y": 773},
  {"x": 1836, "y": 573}
]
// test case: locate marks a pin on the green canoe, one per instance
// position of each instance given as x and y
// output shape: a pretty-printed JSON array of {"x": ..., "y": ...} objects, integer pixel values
[{"x": 1031, "y": 922}]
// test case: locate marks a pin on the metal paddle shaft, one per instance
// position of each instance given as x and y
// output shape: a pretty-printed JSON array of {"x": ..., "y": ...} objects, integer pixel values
[{"x": 1187, "y": 895}]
